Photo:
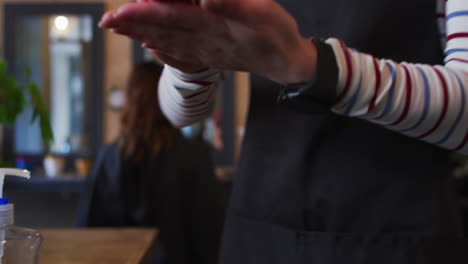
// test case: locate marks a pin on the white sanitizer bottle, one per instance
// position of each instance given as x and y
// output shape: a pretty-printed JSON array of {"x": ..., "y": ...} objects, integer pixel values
[{"x": 17, "y": 245}]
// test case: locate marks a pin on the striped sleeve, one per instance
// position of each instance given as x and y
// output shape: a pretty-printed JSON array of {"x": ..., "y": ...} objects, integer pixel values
[
  {"x": 426, "y": 102},
  {"x": 186, "y": 98}
]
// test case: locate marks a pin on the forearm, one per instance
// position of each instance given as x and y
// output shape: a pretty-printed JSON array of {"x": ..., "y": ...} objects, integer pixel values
[
  {"x": 186, "y": 98},
  {"x": 422, "y": 101}
]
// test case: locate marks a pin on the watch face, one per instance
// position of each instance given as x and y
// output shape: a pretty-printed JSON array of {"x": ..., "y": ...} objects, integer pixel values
[{"x": 116, "y": 99}]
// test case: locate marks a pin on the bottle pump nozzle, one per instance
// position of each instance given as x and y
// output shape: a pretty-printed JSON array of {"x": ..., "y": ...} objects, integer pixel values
[{"x": 12, "y": 172}]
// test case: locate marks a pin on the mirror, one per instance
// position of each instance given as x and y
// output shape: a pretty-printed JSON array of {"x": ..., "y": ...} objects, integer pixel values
[
  {"x": 56, "y": 49},
  {"x": 63, "y": 49}
]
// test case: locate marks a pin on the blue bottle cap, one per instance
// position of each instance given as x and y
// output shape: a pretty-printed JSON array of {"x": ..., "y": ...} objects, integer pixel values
[{"x": 3, "y": 200}]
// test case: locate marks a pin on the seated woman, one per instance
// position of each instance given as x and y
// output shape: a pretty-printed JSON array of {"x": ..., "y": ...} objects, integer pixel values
[{"x": 153, "y": 177}]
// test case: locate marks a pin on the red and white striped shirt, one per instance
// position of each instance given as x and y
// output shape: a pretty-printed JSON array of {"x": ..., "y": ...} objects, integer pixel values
[{"x": 427, "y": 102}]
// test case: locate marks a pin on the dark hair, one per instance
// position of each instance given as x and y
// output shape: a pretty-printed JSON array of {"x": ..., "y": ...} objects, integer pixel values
[{"x": 145, "y": 131}]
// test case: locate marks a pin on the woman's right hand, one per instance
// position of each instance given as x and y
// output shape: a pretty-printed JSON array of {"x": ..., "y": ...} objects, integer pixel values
[{"x": 257, "y": 36}]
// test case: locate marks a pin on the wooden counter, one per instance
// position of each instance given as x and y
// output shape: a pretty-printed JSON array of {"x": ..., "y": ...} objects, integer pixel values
[{"x": 97, "y": 246}]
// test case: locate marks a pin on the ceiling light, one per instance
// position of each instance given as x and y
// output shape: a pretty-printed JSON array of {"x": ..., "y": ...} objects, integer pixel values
[{"x": 61, "y": 23}]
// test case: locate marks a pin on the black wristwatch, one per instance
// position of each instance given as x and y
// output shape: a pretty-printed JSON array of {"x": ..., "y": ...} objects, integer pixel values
[{"x": 319, "y": 94}]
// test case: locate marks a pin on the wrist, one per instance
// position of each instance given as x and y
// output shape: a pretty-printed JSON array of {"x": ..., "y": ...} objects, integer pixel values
[
  {"x": 321, "y": 89},
  {"x": 302, "y": 63}
]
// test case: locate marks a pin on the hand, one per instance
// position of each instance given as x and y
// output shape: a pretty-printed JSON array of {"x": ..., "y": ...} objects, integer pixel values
[
  {"x": 257, "y": 36},
  {"x": 195, "y": 2}
]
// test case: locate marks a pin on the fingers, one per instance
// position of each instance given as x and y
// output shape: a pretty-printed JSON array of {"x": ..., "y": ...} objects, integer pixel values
[
  {"x": 239, "y": 10},
  {"x": 107, "y": 19},
  {"x": 175, "y": 15},
  {"x": 166, "y": 41},
  {"x": 195, "y": 2},
  {"x": 159, "y": 37}
]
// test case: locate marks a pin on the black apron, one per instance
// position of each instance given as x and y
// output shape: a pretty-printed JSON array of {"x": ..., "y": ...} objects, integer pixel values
[{"x": 323, "y": 189}]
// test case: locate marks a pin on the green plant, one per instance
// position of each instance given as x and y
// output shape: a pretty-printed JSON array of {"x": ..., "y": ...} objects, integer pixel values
[{"x": 14, "y": 100}]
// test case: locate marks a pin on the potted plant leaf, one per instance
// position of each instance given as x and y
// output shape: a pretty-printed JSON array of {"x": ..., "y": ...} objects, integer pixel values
[{"x": 15, "y": 98}]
